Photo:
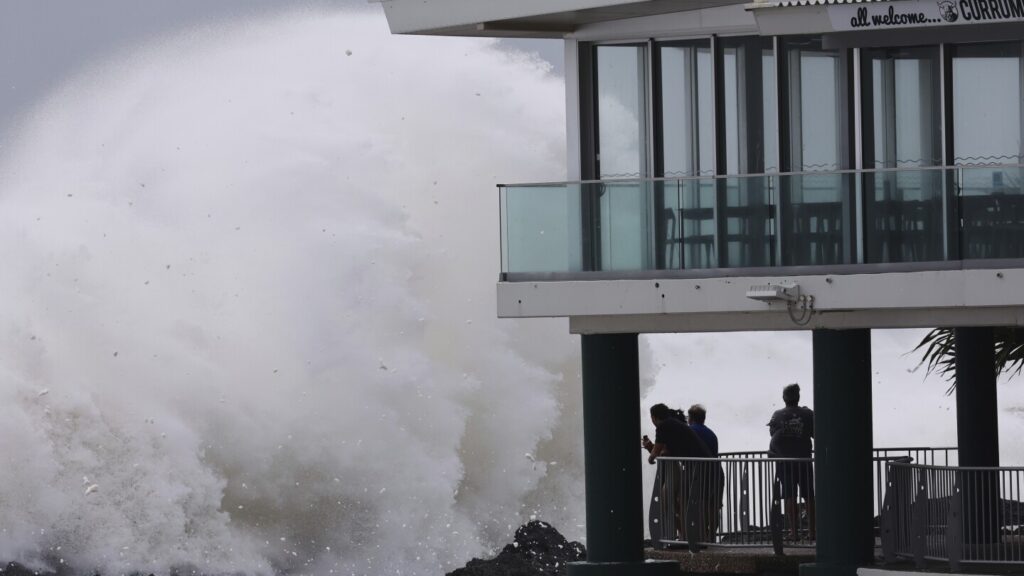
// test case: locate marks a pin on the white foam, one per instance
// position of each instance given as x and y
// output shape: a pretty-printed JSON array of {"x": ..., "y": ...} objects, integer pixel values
[{"x": 242, "y": 263}]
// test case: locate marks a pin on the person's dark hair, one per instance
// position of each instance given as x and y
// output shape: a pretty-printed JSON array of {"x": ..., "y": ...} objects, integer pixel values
[
  {"x": 679, "y": 414},
  {"x": 697, "y": 414},
  {"x": 661, "y": 412},
  {"x": 791, "y": 395}
]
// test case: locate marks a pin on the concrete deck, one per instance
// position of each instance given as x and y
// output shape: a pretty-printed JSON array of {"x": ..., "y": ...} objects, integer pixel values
[{"x": 740, "y": 561}]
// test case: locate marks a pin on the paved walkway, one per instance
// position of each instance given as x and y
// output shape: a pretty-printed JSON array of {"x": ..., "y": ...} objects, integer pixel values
[{"x": 746, "y": 561}]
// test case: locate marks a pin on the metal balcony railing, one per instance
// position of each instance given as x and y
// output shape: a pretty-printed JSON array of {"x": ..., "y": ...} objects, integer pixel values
[
  {"x": 739, "y": 499},
  {"x": 959, "y": 515},
  {"x": 896, "y": 215}
]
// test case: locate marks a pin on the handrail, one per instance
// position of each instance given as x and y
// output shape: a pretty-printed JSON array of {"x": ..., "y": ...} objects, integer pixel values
[
  {"x": 843, "y": 171},
  {"x": 970, "y": 514},
  {"x": 962, "y": 468},
  {"x": 749, "y": 505}
]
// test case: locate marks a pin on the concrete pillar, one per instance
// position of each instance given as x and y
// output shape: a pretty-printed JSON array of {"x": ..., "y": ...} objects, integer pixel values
[
  {"x": 977, "y": 431},
  {"x": 611, "y": 447},
  {"x": 843, "y": 451},
  {"x": 977, "y": 416}
]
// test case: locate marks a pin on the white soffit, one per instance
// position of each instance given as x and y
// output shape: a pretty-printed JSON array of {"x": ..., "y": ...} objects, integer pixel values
[
  {"x": 421, "y": 16},
  {"x": 526, "y": 18}
]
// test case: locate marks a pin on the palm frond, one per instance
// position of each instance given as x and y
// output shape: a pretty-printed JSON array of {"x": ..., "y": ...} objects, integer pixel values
[{"x": 938, "y": 353}]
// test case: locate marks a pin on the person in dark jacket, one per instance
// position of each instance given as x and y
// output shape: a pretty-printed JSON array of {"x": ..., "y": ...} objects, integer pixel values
[
  {"x": 792, "y": 429},
  {"x": 673, "y": 438}
]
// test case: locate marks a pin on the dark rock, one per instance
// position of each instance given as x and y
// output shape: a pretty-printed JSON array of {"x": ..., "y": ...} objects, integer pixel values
[
  {"x": 538, "y": 549},
  {"x": 15, "y": 569}
]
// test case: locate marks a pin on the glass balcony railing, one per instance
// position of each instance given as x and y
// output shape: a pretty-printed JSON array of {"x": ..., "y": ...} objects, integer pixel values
[{"x": 795, "y": 219}]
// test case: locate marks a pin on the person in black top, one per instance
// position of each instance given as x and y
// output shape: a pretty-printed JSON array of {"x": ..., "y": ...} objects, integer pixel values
[
  {"x": 675, "y": 439},
  {"x": 792, "y": 429}
]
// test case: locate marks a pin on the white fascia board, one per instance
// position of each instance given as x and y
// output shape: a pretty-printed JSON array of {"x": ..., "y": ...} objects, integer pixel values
[
  {"x": 418, "y": 16},
  {"x": 891, "y": 300},
  {"x": 727, "y": 20}
]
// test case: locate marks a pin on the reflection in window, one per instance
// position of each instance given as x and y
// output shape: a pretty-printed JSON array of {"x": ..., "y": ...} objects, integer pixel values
[
  {"x": 814, "y": 107},
  {"x": 903, "y": 208},
  {"x": 816, "y": 211},
  {"x": 687, "y": 149},
  {"x": 621, "y": 111},
  {"x": 986, "y": 130},
  {"x": 749, "y": 103},
  {"x": 987, "y": 104},
  {"x": 687, "y": 111},
  {"x": 750, "y": 135}
]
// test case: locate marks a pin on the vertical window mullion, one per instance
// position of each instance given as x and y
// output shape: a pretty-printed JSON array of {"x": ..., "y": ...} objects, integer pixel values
[{"x": 721, "y": 162}]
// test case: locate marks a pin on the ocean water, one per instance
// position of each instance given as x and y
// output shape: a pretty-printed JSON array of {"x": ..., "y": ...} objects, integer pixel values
[
  {"x": 248, "y": 313},
  {"x": 248, "y": 307}
]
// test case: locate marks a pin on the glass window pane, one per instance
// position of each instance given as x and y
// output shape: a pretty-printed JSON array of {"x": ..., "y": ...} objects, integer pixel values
[
  {"x": 814, "y": 107},
  {"x": 687, "y": 121},
  {"x": 749, "y": 105},
  {"x": 749, "y": 226},
  {"x": 624, "y": 226},
  {"x": 697, "y": 218},
  {"x": 903, "y": 209},
  {"x": 993, "y": 212},
  {"x": 536, "y": 227},
  {"x": 815, "y": 209},
  {"x": 987, "y": 104},
  {"x": 621, "y": 112}
]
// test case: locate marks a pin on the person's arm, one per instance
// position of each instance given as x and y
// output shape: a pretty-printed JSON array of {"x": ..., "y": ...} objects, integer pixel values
[
  {"x": 646, "y": 443},
  {"x": 656, "y": 451}
]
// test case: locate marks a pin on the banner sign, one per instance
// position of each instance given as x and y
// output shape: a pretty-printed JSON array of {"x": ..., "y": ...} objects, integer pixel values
[{"x": 909, "y": 13}]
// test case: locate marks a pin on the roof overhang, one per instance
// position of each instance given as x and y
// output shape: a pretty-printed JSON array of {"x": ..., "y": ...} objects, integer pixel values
[
  {"x": 524, "y": 18},
  {"x": 780, "y": 17}
]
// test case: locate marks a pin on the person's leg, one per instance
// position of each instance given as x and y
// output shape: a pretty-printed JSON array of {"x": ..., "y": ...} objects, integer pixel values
[
  {"x": 792, "y": 517},
  {"x": 790, "y": 477},
  {"x": 715, "y": 499}
]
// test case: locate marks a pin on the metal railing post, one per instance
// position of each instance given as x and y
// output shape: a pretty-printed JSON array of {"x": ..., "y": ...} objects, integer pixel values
[
  {"x": 954, "y": 526},
  {"x": 919, "y": 520},
  {"x": 745, "y": 499},
  {"x": 776, "y": 518},
  {"x": 888, "y": 520}
]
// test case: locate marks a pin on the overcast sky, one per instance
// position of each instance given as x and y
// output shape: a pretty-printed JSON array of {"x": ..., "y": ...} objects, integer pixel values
[{"x": 44, "y": 41}]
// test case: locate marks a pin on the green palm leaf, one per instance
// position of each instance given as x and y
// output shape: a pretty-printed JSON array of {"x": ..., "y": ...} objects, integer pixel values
[{"x": 938, "y": 353}]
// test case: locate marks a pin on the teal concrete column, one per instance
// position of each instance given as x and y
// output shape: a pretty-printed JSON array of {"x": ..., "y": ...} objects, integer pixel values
[
  {"x": 977, "y": 414},
  {"x": 842, "y": 452},
  {"x": 977, "y": 431},
  {"x": 611, "y": 448}
]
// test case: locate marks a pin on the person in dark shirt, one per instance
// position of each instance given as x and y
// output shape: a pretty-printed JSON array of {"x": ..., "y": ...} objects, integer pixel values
[
  {"x": 697, "y": 415},
  {"x": 792, "y": 429},
  {"x": 675, "y": 439},
  {"x": 710, "y": 476}
]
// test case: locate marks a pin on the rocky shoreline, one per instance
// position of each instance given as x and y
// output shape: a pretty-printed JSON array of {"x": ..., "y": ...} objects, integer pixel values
[{"x": 538, "y": 549}]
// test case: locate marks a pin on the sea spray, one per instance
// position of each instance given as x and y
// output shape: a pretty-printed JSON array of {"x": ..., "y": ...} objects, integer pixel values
[{"x": 253, "y": 268}]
